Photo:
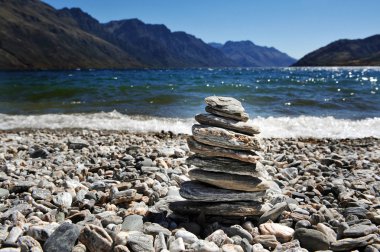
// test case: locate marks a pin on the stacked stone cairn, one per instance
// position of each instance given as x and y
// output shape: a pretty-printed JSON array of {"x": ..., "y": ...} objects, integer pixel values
[{"x": 227, "y": 177}]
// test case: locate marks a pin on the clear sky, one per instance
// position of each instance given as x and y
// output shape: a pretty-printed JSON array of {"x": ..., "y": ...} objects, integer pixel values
[{"x": 293, "y": 26}]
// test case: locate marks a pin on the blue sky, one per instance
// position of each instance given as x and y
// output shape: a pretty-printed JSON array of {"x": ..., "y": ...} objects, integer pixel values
[{"x": 293, "y": 26}]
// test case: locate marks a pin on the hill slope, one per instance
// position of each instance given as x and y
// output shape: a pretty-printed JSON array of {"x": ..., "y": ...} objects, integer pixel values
[
  {"x": 34, "y": 37},
  {"x": 358, "y": 52},
  {"x": 247, "y": 54}
]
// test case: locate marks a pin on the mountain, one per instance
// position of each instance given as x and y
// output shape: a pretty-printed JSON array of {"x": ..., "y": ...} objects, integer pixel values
[
  {"x": 157, "y": 46},
  {"x": 345, "y": 52},
  {"x": 34, "y": 37},
  {"x": 247, "y": 54}
]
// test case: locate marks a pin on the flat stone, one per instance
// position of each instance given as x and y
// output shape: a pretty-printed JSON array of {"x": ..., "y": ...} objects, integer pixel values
[
  {"x": 359, "y": 230},
  {"x": 349, "y": 244},
  {"x": 177, "y": 245},
  {"x": 226, "y": 123},
  {"x": 231, "y": 248},
  {"x": 329, "y": 232},
  {"x": 237, "y": 230},
  {"x": 227, "y": 107},
  {"x": 187, "y": 236},
  {"x": 274, "y": 213},
  {"x": 204, "y": 246},
  {"x": 39, "y": 153},
  {"x": 41, "y": 194},
  {"x": 155, "y": 229},
  {"x": 95, "y": 238},
  {"x": 77, "y": 143},
  {"x": 218, "y": 237},
  {"x": 13, "y": 235},
  {"x": 137, "y": 241},
  {"x": 27, "y": 243},
  {"x": 231, "y": 181},
  {"x": 133, "y": 223},
  {"x": 227, "y": 165},
  {"x": 221, "y": 209},
  {"x": 311, "y": 239},
  {"x": 198, "y": 191},
  {"x": 160, "y": 242},
  {"x": 268, "y": 241},
  {"x": 282, "y": 233},
  {"x": 10, "y": 249},
  {"x": 63, "y": 199},
  {"x": 63, "y": 239},
  {"x": 4, "y": 193},
  {"x": 213, "y": 151},
  {"x": 224, "y": 138},
  {"x": 42, "y": 232}
]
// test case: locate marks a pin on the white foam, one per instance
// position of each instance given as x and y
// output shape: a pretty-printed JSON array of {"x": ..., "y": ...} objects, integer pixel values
[{"x": 303, "y": 126}]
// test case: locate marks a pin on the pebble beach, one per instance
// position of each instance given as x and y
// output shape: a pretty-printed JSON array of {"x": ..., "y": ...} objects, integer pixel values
[{"x": 87, "y": 190}]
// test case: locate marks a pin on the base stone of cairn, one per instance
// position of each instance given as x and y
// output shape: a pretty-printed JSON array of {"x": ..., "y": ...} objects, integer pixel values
[{"x": 227, "y": 176}]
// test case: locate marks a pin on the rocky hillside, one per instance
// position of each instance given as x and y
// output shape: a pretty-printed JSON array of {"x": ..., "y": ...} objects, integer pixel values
[
  {"x": 345, "y": 52},
  {"x": 33, "y": 36},
  {"x": 36, "y": 36},
  {"x": 247, "y": 54}
]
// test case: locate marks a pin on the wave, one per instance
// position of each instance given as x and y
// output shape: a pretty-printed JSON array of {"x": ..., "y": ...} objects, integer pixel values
[{"x": 302, "y": 126}]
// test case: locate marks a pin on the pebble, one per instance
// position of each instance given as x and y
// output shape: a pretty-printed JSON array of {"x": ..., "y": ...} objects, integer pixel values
[
  {"x": 311, "y": 239},
  {"x": 63, "y": 238},
  {"x": 281, "y": 232}
]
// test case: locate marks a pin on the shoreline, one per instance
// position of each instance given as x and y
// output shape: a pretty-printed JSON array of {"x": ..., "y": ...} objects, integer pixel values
[{"x": 108, "y": 178}]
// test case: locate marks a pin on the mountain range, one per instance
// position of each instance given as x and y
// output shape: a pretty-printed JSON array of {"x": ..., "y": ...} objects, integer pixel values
[
  {"x": 345, "y": 52},
  {"x": 34, "y": 35}
]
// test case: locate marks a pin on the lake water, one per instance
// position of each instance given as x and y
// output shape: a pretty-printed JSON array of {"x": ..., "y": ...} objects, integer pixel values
[{"x": 284, "y": 102}]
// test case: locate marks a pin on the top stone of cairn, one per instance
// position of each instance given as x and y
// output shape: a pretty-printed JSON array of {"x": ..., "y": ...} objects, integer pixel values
[{"x": 226, "y": 107}]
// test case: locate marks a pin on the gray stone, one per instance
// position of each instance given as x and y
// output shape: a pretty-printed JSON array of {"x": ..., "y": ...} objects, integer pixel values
[
  {"x": 13, "y": 235},
  {"x": 218, "y": 237},
  {"x": 224, "y": 138},
  {"x": 63, "y": 239},
  {"x": 187, "y": 237},
  {"x": 121, "y": 248},
  {"x": 359, "y": 230},
  {"x": 160, "y": 242},
  {"x": 137, "y": 241},
  {"x": 4, "y": 193},
  {"x": 274, "y": 213},
  {"x": 77, "y": 143},
  {"x": 27, "y": 243},
  {"x": 198, "y": 191},
  {"x": 10, "y": 249},
  {"x": 329, "y": 232},
  {"x": 133, "y": 223},
  {"x": 41, "y": 194},
  {"x": 227, "y": 165},
  {"x": 311, "y": 239},
  {"x": 222, "y": 208},
  {"x": 227, "y": 107},
  {"x": 302, "y": 224},
  {"x": 155, "y": 229},
  {"x": 226, "y": 123},
  {"x": 177, "y": 245},
  {"x": 204, "y": 246},
  {"x": 95, "y": 238},
  {"x": 231, "y": 248},
  {"x": 39, "y": 153},
  {"x": 238, "y": 230},
  {"x": 349, "y": 244},
  {"x": 213, "y": 151},
  {"x": 42, "y": 232},
  {"x": 232, "y": 181},
  {"x": 63, "y": 199}
]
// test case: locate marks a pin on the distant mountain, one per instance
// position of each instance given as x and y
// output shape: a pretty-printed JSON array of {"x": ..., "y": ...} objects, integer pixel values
[
  {"x": 157, "y": 46},
  {"x": 345, "y": 52},
  {"x": 247, "y": 54},
  {"x": 34, "y": 37}
]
